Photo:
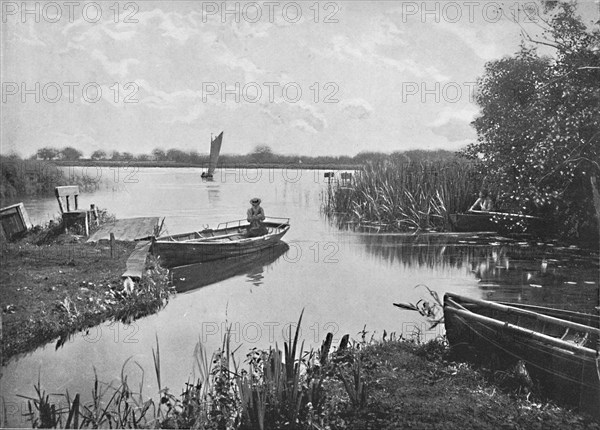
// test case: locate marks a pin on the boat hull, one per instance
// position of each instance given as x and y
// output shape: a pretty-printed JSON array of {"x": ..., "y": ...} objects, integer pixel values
[
  {"x": 496, "y": 222},
  {"x": 560, "y": 357},
  {"x": 229, "y": 242}
]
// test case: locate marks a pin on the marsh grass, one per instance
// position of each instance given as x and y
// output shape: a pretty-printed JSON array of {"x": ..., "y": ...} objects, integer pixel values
[
  {"x": 404, "y": 196},
  {"x": 36, "y": 177},
  {"x": 277, "y": 388}
]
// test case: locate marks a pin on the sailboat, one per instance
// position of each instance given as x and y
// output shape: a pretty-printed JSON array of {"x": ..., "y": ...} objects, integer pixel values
[{"x": 215, "y": 148}]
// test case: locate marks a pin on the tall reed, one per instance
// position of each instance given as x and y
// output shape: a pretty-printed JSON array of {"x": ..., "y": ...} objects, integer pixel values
[
  {"x": 404, "y": 196},
  {"x": 280, "y": 389}
]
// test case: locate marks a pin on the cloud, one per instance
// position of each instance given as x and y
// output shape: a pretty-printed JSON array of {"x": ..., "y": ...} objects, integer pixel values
[
  {"x": 298, "y": 115},
  {"x": 232, "y": 61},
  {"x": 193, "y": 114},
  {"x": 367, "y": 47},
  {"x": 31, "y": 39},
  {"x": 356, "y": 108},
  {"x": 454, "y": 124},
  {"x": 119, "y": 68}
]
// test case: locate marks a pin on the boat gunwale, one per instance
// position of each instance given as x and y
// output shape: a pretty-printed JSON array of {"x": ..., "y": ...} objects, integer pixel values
[
  {"x": 585, "y": 352},
  {"x": 281, "y": 227},
  {"x": 218, "y": 241},
  {"x": 540, "y": 316}
]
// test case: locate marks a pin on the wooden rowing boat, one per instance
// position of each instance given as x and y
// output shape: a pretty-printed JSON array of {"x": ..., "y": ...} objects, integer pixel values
[
  {"x": 228, "y": 240},
  {"x": 194, "y": 276},
  {"x": 559, "y": 347},
  {"x": 479, "y": 221}
]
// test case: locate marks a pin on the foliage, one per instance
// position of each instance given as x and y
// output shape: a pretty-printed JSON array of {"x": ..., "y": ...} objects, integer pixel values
[
  {"x": 70, "y": 153},
  {"x": 99, "y": 154},
  {"x": 404, "y": 196},
  {"x": 36, "y": 177},
  {"x": 538, "y": 132},
  {"x": 433, "y": 311},
  {"x": 280, "y": 389},
  {"x": 47, "y": 153}
]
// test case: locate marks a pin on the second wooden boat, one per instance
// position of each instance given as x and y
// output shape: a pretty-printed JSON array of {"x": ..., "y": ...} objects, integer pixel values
[
  {"x": 482, "y": 221},
  {"x": 228, "y": 240},
  {"x": 558, "y": 347}
]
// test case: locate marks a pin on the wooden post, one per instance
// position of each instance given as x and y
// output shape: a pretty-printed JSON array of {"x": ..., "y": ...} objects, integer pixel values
[
  {"x": 60, "y": 205},
  {"x": 112, "y": 245},
  {"x": 68, "y": 205},
  {"x": 94, "y": 211},
  {"x": 86, "y": 224}
]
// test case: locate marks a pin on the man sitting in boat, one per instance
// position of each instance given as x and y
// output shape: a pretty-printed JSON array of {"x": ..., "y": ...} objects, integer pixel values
[
  {"x": 256, "y": 215},
  {"x": 484, "y": 202}
]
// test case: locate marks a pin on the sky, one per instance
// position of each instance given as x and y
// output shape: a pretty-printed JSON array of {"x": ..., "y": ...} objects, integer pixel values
[{"x": 306, "y": 78}]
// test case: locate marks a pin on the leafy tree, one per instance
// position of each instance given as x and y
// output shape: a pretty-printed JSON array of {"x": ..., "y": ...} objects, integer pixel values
[
  {"x": 159, "y": 154},
  {"x": 261, "y": 154},
  {"x": 47, "y": 153},
  {"x": 115, "y": 155},
  {"x": 98, "y": 154},
  {"x": 538, "y": 132},
  {"x": 70, "y": 153},
  {"x": 127, "y": 156},
  {"x": 177, "y": 155}
]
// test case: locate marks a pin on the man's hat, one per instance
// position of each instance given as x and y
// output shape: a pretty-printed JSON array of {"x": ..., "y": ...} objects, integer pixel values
[{"x": 255, "y": 201}]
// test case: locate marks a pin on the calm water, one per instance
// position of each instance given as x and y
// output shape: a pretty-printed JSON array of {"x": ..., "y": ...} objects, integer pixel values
[{"x": 343, "y": 280}]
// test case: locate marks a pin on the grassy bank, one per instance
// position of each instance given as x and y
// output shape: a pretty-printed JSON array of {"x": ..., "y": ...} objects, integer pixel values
[
  {"x": 53, "y": 285},
  {"x": 383, "y": 385},
  {"x": 404, "y": 196}
]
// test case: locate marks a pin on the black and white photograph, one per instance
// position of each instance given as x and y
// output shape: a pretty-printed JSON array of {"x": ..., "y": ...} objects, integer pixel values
[{"x": 300, "y": 214}]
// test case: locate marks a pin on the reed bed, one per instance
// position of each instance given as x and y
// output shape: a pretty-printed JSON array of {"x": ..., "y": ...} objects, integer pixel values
[
  {"x": 22, "y": 178},
  {"x": 272, "y": 389},
  {"x": 404, "y": 196}
]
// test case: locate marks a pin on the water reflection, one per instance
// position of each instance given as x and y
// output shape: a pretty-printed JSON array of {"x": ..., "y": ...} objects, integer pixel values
[
  {"x": 213, "y": 194},
  {"x": 506, "y": 270},
  {"x": 194, "y": 276}
]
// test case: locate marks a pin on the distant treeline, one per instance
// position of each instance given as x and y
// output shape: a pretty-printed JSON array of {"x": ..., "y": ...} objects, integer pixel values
[
  {"x": 262, "y": 155},
  {"x": 41, "y": 173}
]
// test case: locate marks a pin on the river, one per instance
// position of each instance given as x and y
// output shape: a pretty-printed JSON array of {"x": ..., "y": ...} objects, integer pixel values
[{"x": 344, "y": 281}]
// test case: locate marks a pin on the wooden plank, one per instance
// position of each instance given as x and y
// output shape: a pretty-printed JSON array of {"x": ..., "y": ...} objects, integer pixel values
[
  {"x": 15, "y": 219},
  {"x": 127, "y": 230},
  {"x": 68, "y": 190},
  {"x": 137, "y": 261}
]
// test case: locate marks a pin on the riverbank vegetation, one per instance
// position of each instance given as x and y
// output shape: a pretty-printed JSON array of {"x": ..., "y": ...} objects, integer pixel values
[
  {"x": 404, "y": 196},
  {"x": 23, "y": 178},
  {"x": 53, "y": 285},
  {"x": 393, "y": 383},
  {"x": 538, "y": 130}
]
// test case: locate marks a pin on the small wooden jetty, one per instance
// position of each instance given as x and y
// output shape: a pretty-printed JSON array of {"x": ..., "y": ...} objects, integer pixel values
[
  {"x": 137, "y": 260},
  {"x": 128, "y": 229},
  {"x": 131, "y": 230}
]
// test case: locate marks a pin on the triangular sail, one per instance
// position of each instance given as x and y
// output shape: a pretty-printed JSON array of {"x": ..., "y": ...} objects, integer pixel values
[{"x": 215, "y": 148}]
